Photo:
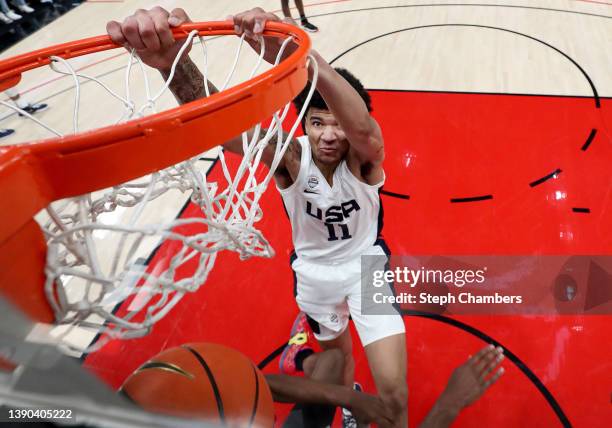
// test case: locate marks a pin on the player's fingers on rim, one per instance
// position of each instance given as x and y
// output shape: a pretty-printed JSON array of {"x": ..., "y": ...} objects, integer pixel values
[
  {"x": 248, "y": 22},
  {"x": 113, "y": 28},
  {"x": 238, "y": 19},
  {"x": 260, "y": 21},
  {"x": 146, "y": 28},
  {"x": 162, "y": 27},
  {"x": 257, "y": 20},
  {"x": 129, "y": 27},
  {"x": 178, "y": 16},
  {"x": 260, "y": 24},
  {"x": 493, "y": 378}
]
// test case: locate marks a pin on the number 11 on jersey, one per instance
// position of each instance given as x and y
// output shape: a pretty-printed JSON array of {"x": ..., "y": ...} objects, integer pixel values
[{"x": 331, "y": 229}]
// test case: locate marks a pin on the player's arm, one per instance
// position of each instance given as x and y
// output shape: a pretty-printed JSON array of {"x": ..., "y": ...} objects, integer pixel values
[
  {"x": 150, "y": 33},
  {"x": 292, "y": 389},
  {"x": 361, "y": 130},
  {"x": 466, "y": 385}
]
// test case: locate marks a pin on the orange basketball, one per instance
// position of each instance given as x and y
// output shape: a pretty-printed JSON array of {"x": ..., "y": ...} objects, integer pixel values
[{"x": 206, "y": 381}]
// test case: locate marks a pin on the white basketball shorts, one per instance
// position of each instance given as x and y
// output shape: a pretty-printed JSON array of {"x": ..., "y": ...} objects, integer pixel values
[{"x": 330, "y": 293}]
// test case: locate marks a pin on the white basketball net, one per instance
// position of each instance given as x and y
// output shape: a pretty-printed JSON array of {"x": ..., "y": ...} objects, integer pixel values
[{"x": 84, "y": 279}]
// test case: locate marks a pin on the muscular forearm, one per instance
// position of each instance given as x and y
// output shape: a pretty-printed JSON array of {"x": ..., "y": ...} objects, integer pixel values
[
  {"x": 188, "y": 83},
  {"x": 292, "y": 389},
  {"x": 441, "y": 415}
]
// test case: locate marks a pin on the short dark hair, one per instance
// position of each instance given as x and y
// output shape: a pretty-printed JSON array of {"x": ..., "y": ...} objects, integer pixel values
[{"x": 317, "y": 100}]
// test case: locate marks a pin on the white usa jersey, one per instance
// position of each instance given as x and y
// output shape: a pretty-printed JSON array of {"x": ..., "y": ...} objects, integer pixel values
[{"x": 331, "y": 224}]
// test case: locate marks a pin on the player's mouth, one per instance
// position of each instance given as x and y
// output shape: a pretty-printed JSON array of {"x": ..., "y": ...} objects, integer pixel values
[{"x": 327, "y": 151}]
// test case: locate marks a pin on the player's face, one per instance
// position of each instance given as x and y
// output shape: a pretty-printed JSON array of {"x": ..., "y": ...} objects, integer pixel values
[{"x": 327, "y": 139}]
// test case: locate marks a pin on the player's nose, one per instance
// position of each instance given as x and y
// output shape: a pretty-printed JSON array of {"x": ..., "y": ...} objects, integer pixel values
[{"x": 328, "y": 134}]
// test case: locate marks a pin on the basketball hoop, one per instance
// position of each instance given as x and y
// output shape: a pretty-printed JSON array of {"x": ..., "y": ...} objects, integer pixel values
[{"x": 81, "y": 177}]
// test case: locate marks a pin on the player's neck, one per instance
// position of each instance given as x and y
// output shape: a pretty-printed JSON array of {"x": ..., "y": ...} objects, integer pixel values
[{"x": 327, "y": 169}]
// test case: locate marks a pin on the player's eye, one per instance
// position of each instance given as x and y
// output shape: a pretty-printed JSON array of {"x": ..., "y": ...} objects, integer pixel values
[{"x": 316, "y": 123}]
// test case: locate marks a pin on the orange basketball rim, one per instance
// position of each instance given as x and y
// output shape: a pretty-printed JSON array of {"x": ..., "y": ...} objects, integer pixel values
[{"x": 34, "y": 174}]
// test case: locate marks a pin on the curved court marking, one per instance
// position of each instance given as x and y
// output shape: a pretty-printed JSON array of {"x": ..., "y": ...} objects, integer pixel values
[
  {"x": 365, "y": 9},
  {"x": 589, "y": 140},
  {"x": 550, "y": 399},
  {"x": 380, "y": 36},
  {"x": 471, "y": 199},
  {"x": 507, "y": 353},
  {"x": 539, "y": 181},
  {"x": 337, "y": 13}
]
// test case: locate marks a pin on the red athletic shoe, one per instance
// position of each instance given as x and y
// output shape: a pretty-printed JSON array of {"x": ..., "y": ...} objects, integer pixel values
[{"x": 301, "y": 340}]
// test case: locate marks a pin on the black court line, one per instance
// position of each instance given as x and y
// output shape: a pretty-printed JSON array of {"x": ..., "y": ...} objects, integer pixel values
[
  {"x": 263, "y": 363},
  {"x": 539, "y": 181},
  {"x": 584, "y": 73},
  {"x": 544, "y": 9},
  {"x": 471, "y": 199},
  {"x": 485, "y": 338},
  {"x": 581, "y": 210},
  {"x": 394, "y": 195},
  {"x": 589, "y": 140}
]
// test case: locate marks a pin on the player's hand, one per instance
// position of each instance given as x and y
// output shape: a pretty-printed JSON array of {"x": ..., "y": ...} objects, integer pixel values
[
  {"x": 150, "y": 33},
  {"x": 252, "y": 24},
  {"x": 471, "y": 380},
  {"x": 369, "y": 409}
]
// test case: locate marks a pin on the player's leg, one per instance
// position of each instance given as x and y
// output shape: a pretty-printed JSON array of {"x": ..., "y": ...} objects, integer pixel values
[
  {"x": 297, "y": 355},
  {"x": 319, "y": 296},
  {"x": 286, "y": 10},
  {"x": 23, "y": 104},
  {"x": 383, "y": 335},
  {"x": 326, "y": 367},
  {"x": 384, "y": 340},
  {"x": 332, "y": 339},
  {"x": 387, "y": 361},
  {"x": 305, "y": 24},
  {"x": 343, "y": 343}
]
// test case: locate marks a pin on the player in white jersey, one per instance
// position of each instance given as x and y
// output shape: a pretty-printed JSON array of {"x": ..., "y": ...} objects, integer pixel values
[{"x": 329, "y": 181}]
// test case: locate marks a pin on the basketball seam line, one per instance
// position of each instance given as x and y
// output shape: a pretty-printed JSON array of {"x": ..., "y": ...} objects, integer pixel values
[
  {"x": 256, "y": 402},
  {"x": 213, "y": 383}
]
